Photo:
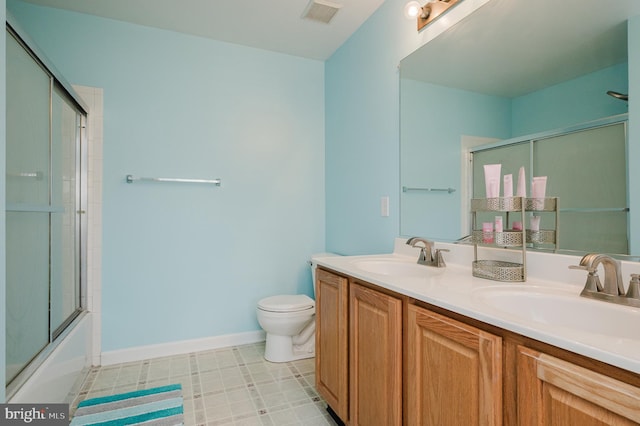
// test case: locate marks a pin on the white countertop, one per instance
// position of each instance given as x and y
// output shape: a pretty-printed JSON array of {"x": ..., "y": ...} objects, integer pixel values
[{"x": 454, "y": 288}]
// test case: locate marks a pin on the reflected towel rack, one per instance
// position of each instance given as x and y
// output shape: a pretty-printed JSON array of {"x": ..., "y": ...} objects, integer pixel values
[
  {"x": 595, "y": 210},
  {"x": 35, "y": 175},
  {"x": 407, "y": 188},
  {"x": 131, "y": 179}
]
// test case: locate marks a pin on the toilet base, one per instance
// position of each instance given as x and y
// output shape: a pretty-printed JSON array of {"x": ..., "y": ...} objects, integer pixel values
[{"x": 281, "y": 349}]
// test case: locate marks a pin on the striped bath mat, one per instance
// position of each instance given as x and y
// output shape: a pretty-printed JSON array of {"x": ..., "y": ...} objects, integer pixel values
[{"x": 154, "y": 407}]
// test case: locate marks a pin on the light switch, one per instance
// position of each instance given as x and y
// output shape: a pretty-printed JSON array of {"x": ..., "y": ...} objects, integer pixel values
[{"x": 384, "y": 206}]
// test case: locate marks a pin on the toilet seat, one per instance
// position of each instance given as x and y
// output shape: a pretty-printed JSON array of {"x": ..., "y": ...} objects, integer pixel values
[{"x": 286, "y": 303}]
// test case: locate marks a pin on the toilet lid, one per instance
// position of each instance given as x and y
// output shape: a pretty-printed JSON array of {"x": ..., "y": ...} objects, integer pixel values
[{"x": 286, "y": 303}]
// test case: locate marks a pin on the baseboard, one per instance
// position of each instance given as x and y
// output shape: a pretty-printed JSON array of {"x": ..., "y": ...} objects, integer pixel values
[{"x": 140, "y": 353}]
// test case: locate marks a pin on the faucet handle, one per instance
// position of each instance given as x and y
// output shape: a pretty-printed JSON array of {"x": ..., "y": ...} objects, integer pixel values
[
  {"x": 593, "y": 283},
  {"x": 583, "y": 268},
  {"x": 634, "y": 287},
  {"x": 422, "y": 258},
  {"x": 439, "y": 260}
]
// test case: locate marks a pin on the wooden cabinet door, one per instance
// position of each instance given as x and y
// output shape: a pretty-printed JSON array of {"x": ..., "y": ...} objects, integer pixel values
[
  {"x": 453, "y": 372},
  {"x": 556, "y": 392},
  {"x": 375, "y": 358},
  {"x": 332, "y": 355}
]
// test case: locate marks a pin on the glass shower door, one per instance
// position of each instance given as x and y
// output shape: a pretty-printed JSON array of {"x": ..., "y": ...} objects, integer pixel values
[
  {"x": 65, "y": 203},
  {"x": 28, "y": 207},
  {"x": 45, "y": 183}
]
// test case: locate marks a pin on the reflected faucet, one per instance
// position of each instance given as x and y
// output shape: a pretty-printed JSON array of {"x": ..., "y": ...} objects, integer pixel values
[{"x": 427, "y": 256}]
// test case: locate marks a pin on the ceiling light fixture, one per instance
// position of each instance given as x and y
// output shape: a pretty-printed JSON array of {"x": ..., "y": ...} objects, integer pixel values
[
  {"x": 412, "y": 10},
  {"x": 427, "y": 13}
]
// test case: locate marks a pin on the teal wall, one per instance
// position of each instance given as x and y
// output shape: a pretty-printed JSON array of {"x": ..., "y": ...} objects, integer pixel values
[
  {"x": 434, "y": 119},
  {"x": 190, "y": 261},
  {"x": 362, "y": 132},
  {"x": 572, "y": 102}
]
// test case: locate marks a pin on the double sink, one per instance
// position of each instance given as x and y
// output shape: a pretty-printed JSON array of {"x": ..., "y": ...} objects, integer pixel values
[{"x": 546, "y": 306}]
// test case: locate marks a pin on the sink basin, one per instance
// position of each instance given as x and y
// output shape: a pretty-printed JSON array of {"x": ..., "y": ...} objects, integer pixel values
[
  {"x": 398, "y": 268},
  {"x": 556, "y": 307}
]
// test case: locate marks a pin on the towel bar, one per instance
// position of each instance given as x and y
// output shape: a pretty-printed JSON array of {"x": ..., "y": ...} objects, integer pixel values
[
  {"x": 449, "y": 190},
  {"x": 131, "y": 179}
]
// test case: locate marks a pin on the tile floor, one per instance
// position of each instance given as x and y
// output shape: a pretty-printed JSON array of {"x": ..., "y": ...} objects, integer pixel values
[{"x": 229, "y": 386}]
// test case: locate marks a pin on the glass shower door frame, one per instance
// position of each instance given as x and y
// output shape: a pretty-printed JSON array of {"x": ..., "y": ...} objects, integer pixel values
[{"x": 74, "y": 210}]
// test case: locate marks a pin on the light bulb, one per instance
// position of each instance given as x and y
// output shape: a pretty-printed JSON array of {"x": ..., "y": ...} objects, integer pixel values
[{"x": 412, "y": 10}]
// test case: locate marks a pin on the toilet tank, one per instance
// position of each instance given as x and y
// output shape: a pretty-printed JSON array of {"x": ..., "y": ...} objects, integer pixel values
[{"x": 314, "y": 265}]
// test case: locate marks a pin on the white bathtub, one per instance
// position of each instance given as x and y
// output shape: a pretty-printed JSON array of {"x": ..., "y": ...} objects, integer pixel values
[{"x": 63, "y": 371}]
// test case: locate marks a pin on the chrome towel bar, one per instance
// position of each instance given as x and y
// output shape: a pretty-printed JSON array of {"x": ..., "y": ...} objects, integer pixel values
[
  {"x": 35, "y": 175},
  {"x": 131, "y": 179},
  {"x": 595, "y": 210},
  {"x": 449, "y": 190}
]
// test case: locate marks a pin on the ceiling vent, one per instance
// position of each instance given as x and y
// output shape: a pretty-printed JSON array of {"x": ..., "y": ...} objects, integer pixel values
[{"x": 321, "y": 10}]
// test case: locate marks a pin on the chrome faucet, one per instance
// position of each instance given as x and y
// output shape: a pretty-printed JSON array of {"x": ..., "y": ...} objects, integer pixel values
[
  {"x": 613, "y": 288},
  {"x": 612, "y": 274},
  {"x": 427, "y": 255}
]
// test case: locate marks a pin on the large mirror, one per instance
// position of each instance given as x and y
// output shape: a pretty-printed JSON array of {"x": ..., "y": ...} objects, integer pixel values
[{"x": 510, "y": 69}]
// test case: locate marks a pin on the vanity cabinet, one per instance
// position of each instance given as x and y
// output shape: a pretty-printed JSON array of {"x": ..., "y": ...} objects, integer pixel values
[
  {"x": 332, "y": 350},
  {"x": 553, "y": 391},
  {"x": 375, "y": 346},
  {"x": 385, "y": 359},
  {"x": 454, "y": 372}
]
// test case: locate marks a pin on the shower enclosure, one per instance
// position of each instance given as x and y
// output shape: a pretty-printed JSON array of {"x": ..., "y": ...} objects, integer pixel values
[{"x": 45, "y": 206}]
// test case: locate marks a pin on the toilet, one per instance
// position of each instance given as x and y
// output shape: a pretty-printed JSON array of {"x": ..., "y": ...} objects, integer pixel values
[{"x": 289, "y": 323}]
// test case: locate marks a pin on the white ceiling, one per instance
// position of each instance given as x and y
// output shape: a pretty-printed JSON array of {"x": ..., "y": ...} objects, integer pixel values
[
  {"x": 513, "y": 47},
  {"x": 275, "y": 25}
]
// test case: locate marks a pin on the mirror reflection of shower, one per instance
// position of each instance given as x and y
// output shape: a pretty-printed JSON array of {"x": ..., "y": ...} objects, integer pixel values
[{"x": 618, "y": 95}]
